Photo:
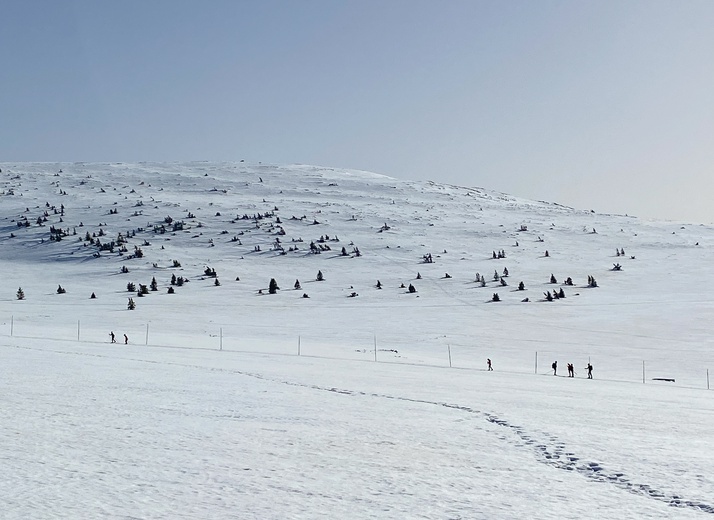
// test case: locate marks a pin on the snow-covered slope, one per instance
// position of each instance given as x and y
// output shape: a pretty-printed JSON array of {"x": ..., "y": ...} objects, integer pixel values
[{"x": 251, "y": 223}]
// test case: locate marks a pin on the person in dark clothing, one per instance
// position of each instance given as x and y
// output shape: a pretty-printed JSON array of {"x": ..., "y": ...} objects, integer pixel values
[
  {"x": 490, "y": 368},
  {"x": 589, "y": 368},
  {"x": 126, "y": 339},
  {"x": 111, "y": 335},
  {"x": 554, "y": 366}
]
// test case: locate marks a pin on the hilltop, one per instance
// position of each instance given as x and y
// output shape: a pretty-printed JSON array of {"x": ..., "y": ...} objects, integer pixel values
[
  {"x": 251, "y": 223},
  {"x": 227, "y": 400}
]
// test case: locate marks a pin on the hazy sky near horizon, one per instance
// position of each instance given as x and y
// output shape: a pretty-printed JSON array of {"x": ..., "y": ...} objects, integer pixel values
[{"x": 604, "y": 105}]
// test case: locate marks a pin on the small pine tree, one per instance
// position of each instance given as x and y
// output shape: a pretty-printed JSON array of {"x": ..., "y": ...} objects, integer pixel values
[
  {"x": 297, "y": 284},
  {"x": 20, "y": 294},
  {"x": 93, "y": 297},
  {"x": 131, "y": 305},
  {"x": 130, "y": 287},
  {"x": 173, "y": 279},
  {"x": 61, "y": 290},
  {"x": 217, "y": 283},
  {"x": 319, "y": 276},
  {"x": 154, "y": 284},
  {"x": 171, "y": 290},
  {"x": 273, "y": 287}
]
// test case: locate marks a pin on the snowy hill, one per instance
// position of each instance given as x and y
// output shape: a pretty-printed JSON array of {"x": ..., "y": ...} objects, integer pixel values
[{"x": 96, "y": 228}]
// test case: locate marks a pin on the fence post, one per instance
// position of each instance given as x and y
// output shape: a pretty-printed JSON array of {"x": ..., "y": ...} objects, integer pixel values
[
  {"x": 536, "y": 363},
  {"x": 221, "y": 338},
  {"x": 643, "y": 372},
  {"x": 707, "y": 379},
  {"x": 449, "y": 347},
  {"x": 77, "y": 330},
  {"x": 298, "y": 345},
  {"x": 147, "y": 335}
]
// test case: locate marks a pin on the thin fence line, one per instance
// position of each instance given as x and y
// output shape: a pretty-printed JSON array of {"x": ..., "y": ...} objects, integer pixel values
[{"x": 345, "y": 359}]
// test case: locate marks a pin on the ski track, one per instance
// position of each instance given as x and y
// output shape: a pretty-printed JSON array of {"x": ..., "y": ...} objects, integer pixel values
[{"x": 547, "y": 448}]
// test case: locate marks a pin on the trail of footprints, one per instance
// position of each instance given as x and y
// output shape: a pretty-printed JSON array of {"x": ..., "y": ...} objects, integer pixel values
[{"x": 550, "y": 451}]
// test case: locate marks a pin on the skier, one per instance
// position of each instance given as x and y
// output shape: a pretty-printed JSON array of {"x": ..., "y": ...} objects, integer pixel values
[
  {"x": 571, "y": 370},
  {"x": 589, "y": 368},
  {"x": 111, "y": 335},
  {"x": 554, "y": 366},
  {"x": 490, "y": 368},
  {"x": 126, "y": 339}
]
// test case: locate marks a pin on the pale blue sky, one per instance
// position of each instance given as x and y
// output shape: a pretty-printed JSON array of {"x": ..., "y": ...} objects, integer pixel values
[{"x": 596, "y": 104}]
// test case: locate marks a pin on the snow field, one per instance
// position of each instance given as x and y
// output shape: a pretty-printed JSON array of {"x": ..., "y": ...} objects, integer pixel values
[
  {"x": 179, "y": 429},
  {"x": 130, "y": 432}
]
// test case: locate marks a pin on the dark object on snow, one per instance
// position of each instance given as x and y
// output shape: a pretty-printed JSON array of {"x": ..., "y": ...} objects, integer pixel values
[
  {"x": 589, "y": 368},
  {"x": 412, "y": 289},
  {"x": 273, "y": 286},
  {"x": 554, "y": 366}
]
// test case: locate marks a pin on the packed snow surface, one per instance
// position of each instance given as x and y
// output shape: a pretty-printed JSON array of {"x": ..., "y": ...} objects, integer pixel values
[{"x": 339, "y": 399}]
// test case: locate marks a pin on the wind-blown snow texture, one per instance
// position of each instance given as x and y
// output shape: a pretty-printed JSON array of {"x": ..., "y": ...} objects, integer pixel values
[{"x": 209, "y": 412}]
